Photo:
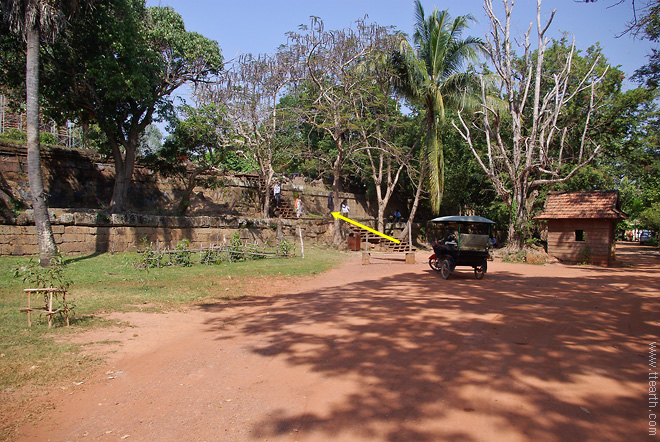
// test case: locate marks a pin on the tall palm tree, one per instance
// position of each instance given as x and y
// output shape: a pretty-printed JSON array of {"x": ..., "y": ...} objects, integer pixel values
[
  {"x": 35, "y": 20},
  {"x": 431, "y": 76}
]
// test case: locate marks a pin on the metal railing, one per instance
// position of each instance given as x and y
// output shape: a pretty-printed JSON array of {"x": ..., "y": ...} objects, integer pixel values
[{"x": 69, "y": 136}]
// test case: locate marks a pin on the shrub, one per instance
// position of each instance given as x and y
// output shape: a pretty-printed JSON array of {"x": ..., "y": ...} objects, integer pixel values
[
  {"x": 44, "y": 277},
  {"x": 148, "y": 257},
  {"x": 47, "y": 138},
  {"x": 182, "y": 256},
  {"x": 284, "y": 247},
  {"x": 14, "y": 134},
  {"x": 585, "y": 255},
  {"x": 235, "y": 247},
  {"x": 536, "y": 258},
  {"x": 211, "y": 257}
]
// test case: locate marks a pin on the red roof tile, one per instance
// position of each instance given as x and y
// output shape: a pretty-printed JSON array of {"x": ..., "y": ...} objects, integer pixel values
[{"x": 574, "y": 205}]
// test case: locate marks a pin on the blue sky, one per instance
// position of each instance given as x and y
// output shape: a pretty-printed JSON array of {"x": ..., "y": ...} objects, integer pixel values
[{"x": 259, "y": 26}]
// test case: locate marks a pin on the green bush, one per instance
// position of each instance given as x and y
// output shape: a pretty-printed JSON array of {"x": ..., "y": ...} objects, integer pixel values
[
  {"x": 182, "y": 256},
  {"x": 38, "y": 276},
  {"x": 14, "y": 134},
  {"x": 148, "y": 258},
  {"x": 235, "y": 247},
  {"x": 284, "y": 247},
  {"x": 47, "y": 138},
  {"x": 211, "y": 257}
]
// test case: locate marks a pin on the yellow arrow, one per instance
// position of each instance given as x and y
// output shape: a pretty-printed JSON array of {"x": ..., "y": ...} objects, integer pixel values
[{"x": 362, "y": 226}]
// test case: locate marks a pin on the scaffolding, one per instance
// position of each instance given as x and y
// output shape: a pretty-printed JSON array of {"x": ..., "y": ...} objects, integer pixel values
[{"x": 69, "y": 135}]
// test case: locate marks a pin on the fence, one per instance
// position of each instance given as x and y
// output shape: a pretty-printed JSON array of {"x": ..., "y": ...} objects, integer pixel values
[
  {"x": 68, "y": 136},
  {"x": 236, "y": 250}
]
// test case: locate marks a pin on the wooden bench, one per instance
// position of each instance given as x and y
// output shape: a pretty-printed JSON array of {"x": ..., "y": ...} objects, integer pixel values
[{"x": 48, "y": 293}]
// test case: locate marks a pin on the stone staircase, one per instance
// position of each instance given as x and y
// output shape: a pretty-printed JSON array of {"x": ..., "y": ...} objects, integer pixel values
[
  {"x": 378, "y": 242},
  {"x": 285, "y": 208}
]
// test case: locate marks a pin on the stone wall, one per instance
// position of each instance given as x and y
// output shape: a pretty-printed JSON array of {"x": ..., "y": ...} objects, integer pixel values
[
  {"x": 86, "y": 232},
  {"x": 79, "y": 186},
  {"x": 82, "y": 179}
]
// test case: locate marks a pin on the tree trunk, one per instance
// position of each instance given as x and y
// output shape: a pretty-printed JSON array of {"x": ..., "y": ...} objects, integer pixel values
[
  {"x": 382, "y": 203},
  {"x": 436, "y": 158},
  {"x": 519, "y": 221},
  {"x": 268, "y": 180},
  {"x": 336, "y": 187},
  {"x": 124, "y": 166},
  {"x": 418, "y": 194},
  {"x": 47, "y": 247},
  {"x": 380, "y": 222},
  {"x": 184, "y": 204}
]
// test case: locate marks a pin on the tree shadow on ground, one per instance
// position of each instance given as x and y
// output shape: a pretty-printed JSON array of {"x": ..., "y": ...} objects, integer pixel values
[{"x": 538, "y": 357}]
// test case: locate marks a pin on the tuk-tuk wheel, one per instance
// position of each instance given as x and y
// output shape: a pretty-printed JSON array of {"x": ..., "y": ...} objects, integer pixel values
[
  {"x": 434, "y": 264},
  {"x": 480, "y": 271},
  {"x": 445, "y": 268}
]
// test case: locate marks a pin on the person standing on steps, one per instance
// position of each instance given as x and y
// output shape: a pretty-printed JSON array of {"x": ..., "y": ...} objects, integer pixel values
[
  {"x": 299, "y": 207},
  {"x": 344, "y": 208},
  {"x": 331, "y": 203},
  {"x": 277, "y": 193}
]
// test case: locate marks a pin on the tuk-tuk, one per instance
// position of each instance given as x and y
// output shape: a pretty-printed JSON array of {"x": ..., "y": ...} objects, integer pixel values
[{"x": 459, "y": 241}]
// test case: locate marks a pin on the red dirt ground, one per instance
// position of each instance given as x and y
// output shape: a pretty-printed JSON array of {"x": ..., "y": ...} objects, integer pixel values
[{"x": 385, "y": 352}]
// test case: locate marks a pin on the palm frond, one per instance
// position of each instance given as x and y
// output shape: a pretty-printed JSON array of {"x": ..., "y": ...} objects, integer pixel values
[{"x": 431, "y": 72}]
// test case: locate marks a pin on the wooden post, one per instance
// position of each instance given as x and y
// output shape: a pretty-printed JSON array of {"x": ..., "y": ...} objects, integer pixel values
[
  {"x": 50, "y": 308},
  {"x": 28, "y": 311},
  {"x": 66, "y": 307},
  {"x": 302, "y": 247}
]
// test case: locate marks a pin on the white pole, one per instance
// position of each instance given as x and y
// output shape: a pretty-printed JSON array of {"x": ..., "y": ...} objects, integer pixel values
[
  {"x": 2, "y": 114},
  {"x": 302, "y": 247}
]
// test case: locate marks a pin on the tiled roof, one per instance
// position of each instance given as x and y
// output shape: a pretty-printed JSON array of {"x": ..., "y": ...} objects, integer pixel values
[{"x": 574, "y": 205}]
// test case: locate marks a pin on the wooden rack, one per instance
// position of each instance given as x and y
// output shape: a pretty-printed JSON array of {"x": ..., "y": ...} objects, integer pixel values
[{"x": 49, "y": 293}]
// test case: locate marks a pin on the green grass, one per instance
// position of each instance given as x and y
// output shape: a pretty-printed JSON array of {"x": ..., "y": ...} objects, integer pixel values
[{"x": 31, "y": 358}]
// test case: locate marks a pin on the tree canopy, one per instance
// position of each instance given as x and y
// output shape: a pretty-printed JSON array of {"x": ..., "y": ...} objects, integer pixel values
[
  {"x": 119, "y": 66},
  {"x": 363, "y": 108}
]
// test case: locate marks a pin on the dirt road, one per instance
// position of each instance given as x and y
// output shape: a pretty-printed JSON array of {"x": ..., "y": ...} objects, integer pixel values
[{"x": 385, "y": 352}]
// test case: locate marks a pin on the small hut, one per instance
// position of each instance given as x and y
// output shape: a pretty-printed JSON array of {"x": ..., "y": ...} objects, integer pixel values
[{"x": 581, "y": 226}]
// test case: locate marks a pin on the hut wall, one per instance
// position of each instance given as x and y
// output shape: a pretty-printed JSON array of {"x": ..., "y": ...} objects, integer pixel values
[{"x": 597, "y": 246}]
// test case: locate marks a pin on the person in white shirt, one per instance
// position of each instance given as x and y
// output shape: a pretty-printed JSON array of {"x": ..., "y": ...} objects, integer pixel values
[
  {"x": 277, "y": 193},
  {"x": 344, "y": 208}
]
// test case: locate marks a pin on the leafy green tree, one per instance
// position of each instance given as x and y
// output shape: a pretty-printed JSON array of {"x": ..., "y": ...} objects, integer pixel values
[
  {"x": 624, "y": 124},
  {"x": 199, "y": 140},
  {"x": 651, "y": 217},
  {"x": 648, "y": 27},
  {"x": 34, "y": 21},
  {"x": 431, "y": 72},
  {"x": 119, "y": 66}
]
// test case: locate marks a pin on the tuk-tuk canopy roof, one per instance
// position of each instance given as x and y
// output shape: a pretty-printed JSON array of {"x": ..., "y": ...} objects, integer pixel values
[{"x": 463, "y": 219}]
